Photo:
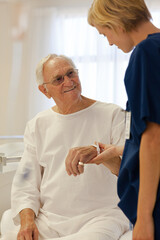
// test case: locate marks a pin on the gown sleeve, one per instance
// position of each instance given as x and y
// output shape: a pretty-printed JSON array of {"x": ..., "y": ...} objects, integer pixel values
[
  {"x": 26, "y": 183},
  {"x": 118, "y": 127}
]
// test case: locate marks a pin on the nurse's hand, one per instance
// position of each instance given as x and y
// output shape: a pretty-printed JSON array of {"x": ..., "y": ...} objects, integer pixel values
[
  {"x": 144, "y": 229},
  {"x": 28, "y": 229},
  {"x": 110, "y": 157},
  {"x": 77, "y": 157}
]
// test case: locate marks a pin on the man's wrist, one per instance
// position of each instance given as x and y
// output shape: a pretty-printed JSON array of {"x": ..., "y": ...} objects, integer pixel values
[
  {"x": 27, "y": 215},
  {"x": 96, "y": 145}
]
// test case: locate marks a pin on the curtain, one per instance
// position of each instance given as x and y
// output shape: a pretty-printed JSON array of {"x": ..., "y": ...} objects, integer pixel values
[{"x": 41, "y": 30}]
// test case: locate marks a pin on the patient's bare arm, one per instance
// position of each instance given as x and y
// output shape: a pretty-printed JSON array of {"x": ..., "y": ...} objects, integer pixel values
[{"x": 28, "y": 229}]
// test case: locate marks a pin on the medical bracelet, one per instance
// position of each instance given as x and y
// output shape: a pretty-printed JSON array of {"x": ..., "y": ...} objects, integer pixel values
[{"x": 97, "y": 147}]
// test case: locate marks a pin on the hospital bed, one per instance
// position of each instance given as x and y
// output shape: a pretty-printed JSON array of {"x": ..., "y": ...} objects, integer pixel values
[{"x": 10, "y": 155}]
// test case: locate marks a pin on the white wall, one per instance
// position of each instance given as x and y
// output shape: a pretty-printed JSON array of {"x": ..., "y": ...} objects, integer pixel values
[
  {"x": 13, "y": 99},
  {"x": 15, "y": 91},
  {"x": 5, "y": 62}
]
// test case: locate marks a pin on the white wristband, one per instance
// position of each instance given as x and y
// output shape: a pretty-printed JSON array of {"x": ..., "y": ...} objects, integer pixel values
[{"x": 97, "y": 147}]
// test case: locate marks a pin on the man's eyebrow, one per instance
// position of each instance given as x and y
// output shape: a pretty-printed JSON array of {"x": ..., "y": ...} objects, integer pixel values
[
  {"x": 59, "y": 75},
  {"x": 53, "y": 77},
  {"x": 69, "y": 69}
]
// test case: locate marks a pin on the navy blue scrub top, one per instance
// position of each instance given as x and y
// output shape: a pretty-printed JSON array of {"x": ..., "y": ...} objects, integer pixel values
[{"x": 142, "y": 82}]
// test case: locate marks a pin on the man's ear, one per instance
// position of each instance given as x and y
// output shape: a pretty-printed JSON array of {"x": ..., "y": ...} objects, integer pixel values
[{"x": 44, "y": 91}]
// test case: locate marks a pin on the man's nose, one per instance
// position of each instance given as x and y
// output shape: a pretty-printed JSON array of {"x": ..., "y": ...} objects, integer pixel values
[{"x": 67, "y": 80}]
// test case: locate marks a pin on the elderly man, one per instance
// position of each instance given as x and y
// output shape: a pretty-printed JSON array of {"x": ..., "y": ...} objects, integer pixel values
[{"x": 48, "y": 203}]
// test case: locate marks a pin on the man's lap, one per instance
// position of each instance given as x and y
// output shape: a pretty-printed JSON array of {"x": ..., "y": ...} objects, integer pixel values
[{"x": 106, "y": 228}]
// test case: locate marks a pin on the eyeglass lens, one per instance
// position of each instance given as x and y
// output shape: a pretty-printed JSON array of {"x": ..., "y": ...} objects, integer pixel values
[{"x": 59, "y": 79}]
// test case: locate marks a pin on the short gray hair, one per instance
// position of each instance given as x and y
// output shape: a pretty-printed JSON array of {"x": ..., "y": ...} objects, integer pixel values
[{"x": 39, "y": 68}]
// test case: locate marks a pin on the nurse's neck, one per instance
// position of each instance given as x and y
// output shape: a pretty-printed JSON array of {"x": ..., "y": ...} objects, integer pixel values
[{"x": 142, "y": 31}]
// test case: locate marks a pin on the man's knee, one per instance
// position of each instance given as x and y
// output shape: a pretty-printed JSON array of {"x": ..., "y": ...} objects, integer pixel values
[
  {"x": 10, "y": 236},
  {"x": 88, "y": 235},
  {"x": 7, "y": 226}
]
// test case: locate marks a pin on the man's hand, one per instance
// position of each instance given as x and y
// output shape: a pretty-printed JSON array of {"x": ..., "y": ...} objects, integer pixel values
[
  {"x": 76, "y": 155},
  {"x": 28, "y": 229}
]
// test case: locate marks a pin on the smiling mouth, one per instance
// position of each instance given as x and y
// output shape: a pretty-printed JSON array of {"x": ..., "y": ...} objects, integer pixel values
[{"x": 70, "y": 89}]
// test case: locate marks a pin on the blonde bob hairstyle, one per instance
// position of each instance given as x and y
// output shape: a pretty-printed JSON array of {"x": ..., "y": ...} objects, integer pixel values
[
  {"x": 40, "y": 65},
  {"x": 123, "y": 13}
]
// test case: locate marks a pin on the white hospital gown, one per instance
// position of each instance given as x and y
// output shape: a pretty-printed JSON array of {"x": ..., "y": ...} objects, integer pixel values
[{"x": 67, "y": 203}]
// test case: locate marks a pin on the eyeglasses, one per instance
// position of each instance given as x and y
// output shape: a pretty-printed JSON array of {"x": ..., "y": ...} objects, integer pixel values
[{"x": 71, "y": 73}]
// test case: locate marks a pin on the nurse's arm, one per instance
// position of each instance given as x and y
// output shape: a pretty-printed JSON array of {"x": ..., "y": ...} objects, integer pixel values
[
  {"x": 149, "y": 180},
  {"x": 110, "y": 157}
]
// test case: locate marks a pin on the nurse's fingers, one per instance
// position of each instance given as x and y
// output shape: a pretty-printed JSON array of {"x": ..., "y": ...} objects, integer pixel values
[
  {"x": 108, "y": 152},
  {"x": 102, "y": 157}
]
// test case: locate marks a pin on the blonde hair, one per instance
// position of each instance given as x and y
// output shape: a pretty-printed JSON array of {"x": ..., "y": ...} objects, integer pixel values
[
  {"x": 124, "y": 13},
  {"x": 40, "y": 65}
]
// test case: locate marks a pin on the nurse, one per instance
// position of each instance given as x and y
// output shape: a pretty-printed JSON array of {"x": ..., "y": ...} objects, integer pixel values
[{"x": 127, "y": 25}]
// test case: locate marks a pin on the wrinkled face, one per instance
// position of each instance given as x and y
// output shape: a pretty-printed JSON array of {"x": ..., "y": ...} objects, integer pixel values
[
  {"x": 66, "y": 91},
  {"x": 120, "y": 38}
]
